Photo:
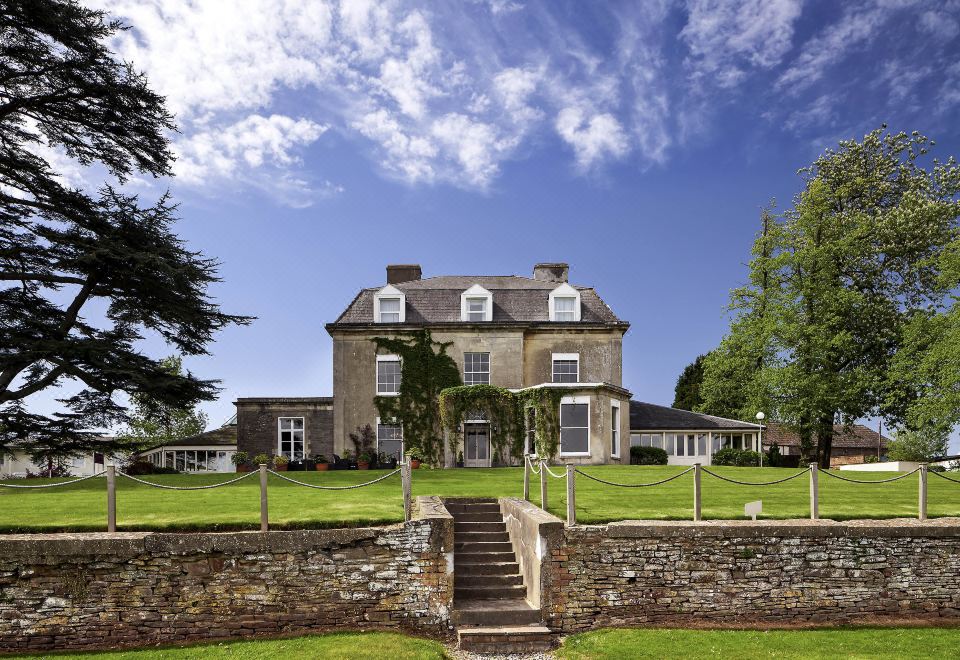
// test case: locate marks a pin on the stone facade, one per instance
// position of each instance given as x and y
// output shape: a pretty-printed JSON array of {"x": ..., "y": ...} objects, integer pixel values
[
  {"x": 77, "y": 591},
  {"x": 745, "y": 573},
  {"x": 258, "y": 431}
]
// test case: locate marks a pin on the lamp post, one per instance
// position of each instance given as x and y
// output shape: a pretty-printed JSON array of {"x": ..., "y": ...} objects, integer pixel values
[{"x": 760, "y": 417}]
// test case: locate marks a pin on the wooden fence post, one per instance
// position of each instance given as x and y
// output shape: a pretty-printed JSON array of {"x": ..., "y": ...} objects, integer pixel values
[
  {"x": 405, "y": 475},
  {"x": 697, "y": 514},
  {"x": 111, "y": 498},
  {"x": 526, "y": 478},
  {"x": 571, "y": 496},
  {"x": 923, "y": 492},
  {"x": 814, "y": 492},
  {"x": 264, "y": 511},
  {"x": 543, "y": 487}
]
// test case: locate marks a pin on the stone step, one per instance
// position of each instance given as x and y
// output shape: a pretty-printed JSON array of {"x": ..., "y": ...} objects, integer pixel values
[
  {"x": 485, "y": 507},
  {"x": 494, "y": 613},
  {"x": 482, "y": 537},
  {"x": 490, "y": 592},
  {"x": 486, "y": 568},
  {"x": 461, "y": 580},
  {"x": 505, "y": 639},
  {"x": 477, "y": 526},
  {"x": 460, "y": 557},
  {"x": 474, "y": 547},
  {"x": 478, "y": 517}
]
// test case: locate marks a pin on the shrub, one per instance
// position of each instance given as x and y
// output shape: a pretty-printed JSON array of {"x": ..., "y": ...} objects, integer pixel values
[
  {"x": 647, "y": 456},
  {"x": 240, "y": 458},
  {"x": 871, "y": 459},
  {"x": 261, "y": 459},
  {"x": 737, "y": 457},
  {"x": 146, "y": 467},
  {"x": 774, "y": 456}
]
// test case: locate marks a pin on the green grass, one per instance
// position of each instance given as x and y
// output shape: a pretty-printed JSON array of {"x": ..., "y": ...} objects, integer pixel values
[
  {"x": 83, "y": 506},
  {"x": 335, "y": 646},
  {"x": 746, "y": 644}
]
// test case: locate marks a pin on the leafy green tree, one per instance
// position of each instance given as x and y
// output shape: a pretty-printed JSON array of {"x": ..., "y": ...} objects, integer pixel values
[
  {"x": 923, "y": 445},
  {"x": 83, "y": 276},
  {"x": 686, "y": 394},
  {"x": 838, "y": 281},
  {"x": 155, "y": 422}
]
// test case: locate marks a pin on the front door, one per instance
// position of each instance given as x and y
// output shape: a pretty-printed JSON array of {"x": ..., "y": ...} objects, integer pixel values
[{"x": 476, "y": 446}]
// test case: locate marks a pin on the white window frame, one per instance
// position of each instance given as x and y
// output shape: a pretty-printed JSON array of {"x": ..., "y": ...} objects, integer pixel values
[
  {"x": 488, "y": 371},
  {"x": 380, "y": 423},
  {"x": 476, "y": 292},
  {"x": 389, "y": 292},
  {"x": 615, "y": 428},
  {"x": 303, "y": 440},
  {"x": 565, "y": 357},
  {"x": 565, "y": 291},
  {"x": 376, "y": 383},
  {"x": 575, "y": 400}
]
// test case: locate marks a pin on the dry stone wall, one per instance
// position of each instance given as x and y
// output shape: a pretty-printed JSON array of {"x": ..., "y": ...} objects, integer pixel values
[{"x": 74, "y": 591}]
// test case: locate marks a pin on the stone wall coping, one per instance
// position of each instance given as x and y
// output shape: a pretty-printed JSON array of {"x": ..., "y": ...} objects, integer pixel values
[
  {"x": 134, "y": 543},
  {"x": 431, "y": 507},
  {"x": 535, "y": 514},
  {"x": 895, "y": 527}
]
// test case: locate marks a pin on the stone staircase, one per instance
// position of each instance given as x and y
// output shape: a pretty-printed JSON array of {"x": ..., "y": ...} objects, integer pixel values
[{"x": 490, "y": 609}]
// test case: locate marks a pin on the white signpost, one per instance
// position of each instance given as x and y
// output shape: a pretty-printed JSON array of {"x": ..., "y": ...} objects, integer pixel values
[{"x": 753, "y": 508}]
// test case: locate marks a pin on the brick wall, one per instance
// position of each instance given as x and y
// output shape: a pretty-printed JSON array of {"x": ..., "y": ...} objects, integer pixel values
[
  {"x": 258, "y": 431},
  {"x": 741, "y": 572},
  {"x": 73, "y": 591}
]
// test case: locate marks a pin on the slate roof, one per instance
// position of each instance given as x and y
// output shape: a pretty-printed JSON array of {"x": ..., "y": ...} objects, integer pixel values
[
  {"x": 856, "y": 436},
  {"x": 516, "y": 300},
  {"x": 651, "y": 417},
  {"x": 225, "y": 436}
]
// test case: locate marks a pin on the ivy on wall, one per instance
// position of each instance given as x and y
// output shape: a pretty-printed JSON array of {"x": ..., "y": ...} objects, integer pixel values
[{"x": 425, "y": 371}]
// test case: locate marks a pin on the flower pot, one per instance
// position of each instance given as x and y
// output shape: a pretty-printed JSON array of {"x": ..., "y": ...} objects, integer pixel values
[
  {"x": 243, "y": 468},
  {"x": 459, "y": 463},
  {"x": 414, "y": 464},
  {"x": 362, "y": 465},
  {"x": 323, "y": 467},
  {"x": 280, "y": 468}
]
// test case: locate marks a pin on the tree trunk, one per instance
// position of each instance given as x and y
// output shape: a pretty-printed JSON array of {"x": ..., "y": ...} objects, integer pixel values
[{"x": 825, "y": 440}]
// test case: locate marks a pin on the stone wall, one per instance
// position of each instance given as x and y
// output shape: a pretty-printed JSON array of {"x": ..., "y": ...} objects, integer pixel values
[
  {"x": 258, "y": 427},
  {"x": 74, "y": 591},
  {"x": 533, "y": 532},
  {"x": 749, "y": 573}
]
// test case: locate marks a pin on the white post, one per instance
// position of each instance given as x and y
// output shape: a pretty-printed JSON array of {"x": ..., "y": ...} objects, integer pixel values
[
  {"x": 923, "y": 492},
  {"x": 111, "y": 498},
  {"x": 264, "y": 511},
  {"x": 526, "y": 478},
  {"x": 814, "y": 492},
  {"x": 543, "y": 487},
  {"x": 696, "y": 493},
  {"x": 405, "y": 474},
  {"x": 571, "y": 497}
]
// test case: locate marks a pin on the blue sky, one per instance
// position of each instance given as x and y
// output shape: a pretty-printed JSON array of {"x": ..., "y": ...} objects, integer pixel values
[{"x": 635, "y": 141}]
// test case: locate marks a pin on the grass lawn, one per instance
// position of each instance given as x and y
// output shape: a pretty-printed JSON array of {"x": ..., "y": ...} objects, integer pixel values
[
  {"x": 335, "y": 646},
  {"x": 83, "y": 506},
  {"x": 746, "y": 644}
]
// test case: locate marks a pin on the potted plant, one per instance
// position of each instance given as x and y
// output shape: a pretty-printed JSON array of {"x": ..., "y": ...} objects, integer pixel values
[
  {"x": 242, "y": 460},
  {"x": 322, "y": 464},
  {"x": 414, "y": 461},
  {"x": 460, "y": 459},
  {"x": 261, "y": 459},
  {"x": 363, "y": 461},
  {"x": 280, "y": 463}
]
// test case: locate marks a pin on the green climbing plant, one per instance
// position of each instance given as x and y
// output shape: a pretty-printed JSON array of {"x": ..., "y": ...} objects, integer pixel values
[{"x": 425, "y": 371}]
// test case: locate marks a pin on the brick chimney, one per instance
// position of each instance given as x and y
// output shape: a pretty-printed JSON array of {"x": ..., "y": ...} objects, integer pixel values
[
  {"x": 551, "y": 272},
  {"x": 397, "y": 273}
]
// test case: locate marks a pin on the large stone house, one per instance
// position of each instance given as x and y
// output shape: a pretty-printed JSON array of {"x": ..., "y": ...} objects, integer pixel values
[{"x": 510, "y": 331}]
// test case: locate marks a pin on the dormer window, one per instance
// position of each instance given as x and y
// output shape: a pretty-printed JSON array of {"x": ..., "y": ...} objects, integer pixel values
[
  {"x": 565, "y": 304},
  {"x": 389, "y": 305},
  {"x": 476, "y": 305}
]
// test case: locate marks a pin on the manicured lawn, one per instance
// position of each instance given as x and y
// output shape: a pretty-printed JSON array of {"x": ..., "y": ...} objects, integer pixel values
[
  {"x": 83, "y": 506},
  {"x": 746, "y": 644},
  {"x": 337, "y": 646}
]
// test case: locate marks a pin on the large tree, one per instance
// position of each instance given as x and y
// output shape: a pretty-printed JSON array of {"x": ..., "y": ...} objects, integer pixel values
[
  {"x": 84, "y": 276},
  {"x": 686, "y": 393},
  {"x": 848, "y": 270}
]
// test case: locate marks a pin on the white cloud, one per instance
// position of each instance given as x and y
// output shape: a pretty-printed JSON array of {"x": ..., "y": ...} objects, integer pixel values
[
  {"x": 817, "y": 115},
  {"x": 593, "y": 138},
  {"x": 725, "y": 38},
  {"x": 939, "y": 24}
]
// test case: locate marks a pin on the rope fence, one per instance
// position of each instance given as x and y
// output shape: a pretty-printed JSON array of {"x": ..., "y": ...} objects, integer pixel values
[
  {"x": 111, "y": 474},
  {"x": 538, "y": 465}
]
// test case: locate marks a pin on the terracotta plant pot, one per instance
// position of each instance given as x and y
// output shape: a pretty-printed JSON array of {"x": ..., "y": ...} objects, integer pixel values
[
  {"x": 243, "y": 468},
  {"x": 323, "y": 467},
  {"x": 414, "y": 464},
  {"x": 363, "y": 466},
  {"x": 280, "y": 468}
]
